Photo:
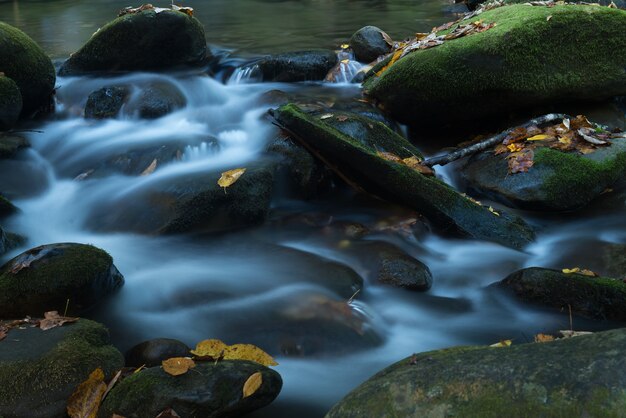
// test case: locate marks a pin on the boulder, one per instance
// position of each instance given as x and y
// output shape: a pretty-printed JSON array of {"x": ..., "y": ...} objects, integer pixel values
[
  {"x": 149, "y": 40},
  {"x": 580, "y": 56},
  {"x": 367, "y": 166},
  {"x": 557, "y": 181},
  {"x": 592, "y": 297},
  {"x": 574, "y": 377},
  {"x": 10, "y": 144},
  {"x": 211, "y": 389},
  {"x": 23, "y": 175},
  {"x": 45, "y": 277},
  {"x": 156, "y": 100},
  {"x": 6, "y": 207},
  {"x": 39, "y": 370},
  {"x": 297, "y": 66},
  {"x": 10, "y": 103},
  {"x": 190, "y": 203},
  {"x": 24, "y": 62},
  {"x": 152, "y": 352},
  {"x": 368, "y": 43},
  {"x": 106, "y": 102}
]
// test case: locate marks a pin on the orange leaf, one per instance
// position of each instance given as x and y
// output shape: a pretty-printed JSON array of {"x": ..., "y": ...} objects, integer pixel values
[
  {"x": 177, "y": 365},
  {"x": 85, "y": 400},
  {"x": 253, "y": 384}
]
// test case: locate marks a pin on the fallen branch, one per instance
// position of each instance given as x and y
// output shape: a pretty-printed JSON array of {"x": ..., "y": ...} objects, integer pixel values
[{"x": 489, "y": 142}]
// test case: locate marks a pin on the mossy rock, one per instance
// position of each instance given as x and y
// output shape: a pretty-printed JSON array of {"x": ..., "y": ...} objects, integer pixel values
[
  {"x": 535, "y": 56},
  {"x": 10, "y": 103},
  {"x": 39, "y": 370},
  {"x": 575, "y": 377},
  {"x": 23, "y": 61},
  {"x": 6, "y": 207},
  {"x": 143, "y": 41},
  {"x": 442, "y": 205},
  {"x": 592, "y": 297},
  {"x": 209, "y": 390},
  {"x": 10, "y": 144},
  {"x": 297, "y": 66},
  {"x": 557, "y": 181},
  {"x": 44, "y": 278}
]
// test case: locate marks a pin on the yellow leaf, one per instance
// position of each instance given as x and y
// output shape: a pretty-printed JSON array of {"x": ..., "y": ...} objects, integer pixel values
[
  {"x": 570, "y": 271},
  {"x": 210, "y": 348},
  {"x": 514, "y": 147},
  {"x": 493, "y": 211},
  {"x": 345, "y": 46},
  {"x": 543, "y": 338},
  {"x": 539, "y": 137},
  {"x": 85, "y": 400},
  {"x": 216, "y": 350},
  {"x": 396, "y": 56},
  {"x": 176, "y": 366},
  {"x": 503, "y": 343},
  {"x": 230, "y": 176},
  {"x": 253, "y": 384}
]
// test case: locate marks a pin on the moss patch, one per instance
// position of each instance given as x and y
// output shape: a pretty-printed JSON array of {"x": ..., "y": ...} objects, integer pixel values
[{"x": 10, "y": 103}]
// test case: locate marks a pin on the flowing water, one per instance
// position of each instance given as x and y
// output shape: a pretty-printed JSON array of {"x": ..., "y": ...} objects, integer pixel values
[{"x": 264, "y": 284}]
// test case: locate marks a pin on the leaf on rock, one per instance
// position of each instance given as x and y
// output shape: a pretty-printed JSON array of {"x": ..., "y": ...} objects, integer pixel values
[
  {"x": 52, "y": 319},
  {"x": 503, "y": 343},
  {"x": 168, "y": 413},
  {"x": 416, "y": 164},
  {"x": 578, "y": 270},
  {"x": 186, "y": 10},
  {"x": 570, "y": 333},
  {"x": 587, "y": 135},
  {"x": 24, "y": 260},
  {"x": 521, "y": 161},
  {"x": 216, "y": 350},
  {"x": 539, "y": 137},
  {"x": 543, "y": 338},
  {"x": 213, "y": 349},
  {"x": 176, "y": 366},
  {"x": 229, "y": 177},
  {"x": 252, "y": 384},
  {"x": 326, "y": 116},
  {"x": 85, "y": 400},
  {"x": 389, "y": 156}
]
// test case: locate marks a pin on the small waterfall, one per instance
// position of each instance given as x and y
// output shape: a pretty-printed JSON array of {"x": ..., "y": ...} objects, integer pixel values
[
  {"x": 245, "y": 74},
  {"x": 346, "y": 68}
]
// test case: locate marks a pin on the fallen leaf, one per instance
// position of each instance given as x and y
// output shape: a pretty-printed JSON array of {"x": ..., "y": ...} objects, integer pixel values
[
  {"x": 150, "y": 169},
  {"x": 521, "y": 161},
  {"x": 326, "y": 116},
  {"x": 24, "y": 260},
  {"x": 493, "y": 211},
  {"x": 571, "y": 334},
  {"x": 416, "y": 164},
  {"x": 112, "y": 383},
  {"x": 168, "y": 413},
  {"x": 176, "y": 366},
  {"x": 3, "y": 333},
  {"x": 210, "y": 348},
  {"x": 515, "y": 147},
  {"x": 540, "y": 137},
  {"x": 571, "y": 271},
  {"x": 253, "y": 383},
  {"x": 543, "y": 338},
  {"x": 578, "y": 270},
  {"x": 586, "y": 134},
  {"x": 231, "y": 176},
  {"x": 548, "y": 18},
  {"x": 249, "y": 352},
  {"x": 389, "y": 156},
  {"x": 52, "y": 319},
  {"x": 85, "y": 400},
  {"x": 345, "y": 46},
  {"x": 395, "y": 57},
  {"x": 503, "y": 343},
  {"x": 186, "y": 10}
]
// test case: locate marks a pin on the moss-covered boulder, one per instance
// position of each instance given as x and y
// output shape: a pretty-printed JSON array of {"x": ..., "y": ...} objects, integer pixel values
[
  {"x": 209, "y": 390},
  {"x": 368, "y": 43},
  {"x": 297, "y": 66},
  {"x": 364, "y": 166},
  {"x": 593, "y": 297},
  {"x": 557, "y": 181},
  {"x": 10, "y": 144},
  {"x": 23, "y": 61},
  {"x": 10, "y": 103},
  {"x": 143, "y": 41},
  {"x": 44, "y": 278},
  {"x": 534, "y": 56},
  {"x": 39, "y": 370},
  {"x": 574, "y": 377},
  {"x": 190, "y": 203}
]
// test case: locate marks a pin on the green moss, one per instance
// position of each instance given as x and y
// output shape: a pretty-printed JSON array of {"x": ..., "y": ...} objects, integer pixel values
[
  {"x": 10, "y": 103},
  {"x": 22, "y": 60},
  {"x": 526, "y": 60}
]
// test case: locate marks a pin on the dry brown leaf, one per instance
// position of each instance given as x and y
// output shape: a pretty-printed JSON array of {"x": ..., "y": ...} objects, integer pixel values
[
  {"x": 85, "y": 400},
  {"x": 253, "y": 383},
  {"x": 229, "y": 177},
  {"x": 52, "y": 319},
  {"x": 150, "y": 169},
  {"x": 168, "y": 413},
  {"x": 521, "y": 161},
  {"x": 416, "y": 164},
  {"x": 389, "y": 156},
  {"x": 543, "y": 338},
  {"x": 176, "y": 366},
  {"x": 112, "y": 383}
]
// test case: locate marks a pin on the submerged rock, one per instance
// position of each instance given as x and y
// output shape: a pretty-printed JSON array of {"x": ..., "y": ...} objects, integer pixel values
[
  {"x": 24, "y": 62},
  {"x": 39, "y": 370},
  {"x": 365, "y": 166},
  {"x": 106, "y": 102},
  {"x": 592, "y": 297},
  {"x": 580, "y": 50},
  {"x": 10, "y": 144},
  {"x": 44, "y": 278},
  {"x": 156, "y": 100},
  {"x": 211, "y": 389},
  {"x": 575, "y": 377},
  {"x": 368, "y": 43},
  {"x": 10, "y": 103},
  {"x": 152, "y": 352},
  {"x": 297, "y": 66},
  {"x": 143, "y": 41}
]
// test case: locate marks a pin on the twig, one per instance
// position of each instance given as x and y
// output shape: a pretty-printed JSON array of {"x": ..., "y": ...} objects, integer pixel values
[{"x": 489, "y": 142}]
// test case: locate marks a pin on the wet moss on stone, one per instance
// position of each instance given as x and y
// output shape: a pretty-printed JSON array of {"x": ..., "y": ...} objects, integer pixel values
[{"x": 10, "y": 103}]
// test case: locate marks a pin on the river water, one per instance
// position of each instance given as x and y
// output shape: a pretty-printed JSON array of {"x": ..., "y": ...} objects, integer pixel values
[{"x": 241, "y": 286}]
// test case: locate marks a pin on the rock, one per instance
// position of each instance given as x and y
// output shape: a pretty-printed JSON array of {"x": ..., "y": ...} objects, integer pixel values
[
  {"x": 614, "y": 258},
  {"x": 106, "y": 102},
  {"x": 10, "y": 144},
  {"x": 557, "y": 181},
  {"x": 10, "y": 103},
  {"x": 368, "y": 43},
  {"x": 297, "y": 66},
  {"x": 592, "y": 297},
  {"x": 23, "y": 176},
  {"x": 156, "y": 100},
  {"x": 23, "y": 61},
  {"x": 9, "y": 241},
  {"x": 190, "y": 203},
  {"x": 44, "y": 278},
  {"x": 6, "y": 207},
  {"x": 144, "y": 41},
  {"x": 152, "y": 352},
  {"x": 363, "y": 164},
  {"x": 39, "y": 370},
  {"x": 574, "y": 377},
  {"x": 436, "y": 85},
  {"x": 211, "y": 389}
]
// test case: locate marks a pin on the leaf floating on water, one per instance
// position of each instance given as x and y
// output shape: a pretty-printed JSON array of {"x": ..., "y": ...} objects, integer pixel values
[
  {"x": 229, "y": 177},
  {"x": 85, "y": 401},
  {"x": 52, "y": 319},
  {"x": 217, "y": 350},
  {"x": 253, "y": 383},
  {"x": 503, "y": 343},
  {"x": 177, "y": 365},
  {"x": 150, "y": 169}
]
